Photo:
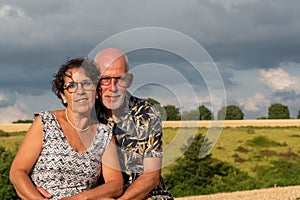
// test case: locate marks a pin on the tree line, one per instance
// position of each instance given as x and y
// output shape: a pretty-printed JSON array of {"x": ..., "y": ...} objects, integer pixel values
[{"x": 230, "y": 112}]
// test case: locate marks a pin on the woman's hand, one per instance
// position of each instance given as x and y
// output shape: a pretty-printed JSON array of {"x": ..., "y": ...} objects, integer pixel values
[{"x": 44, "y": 193}]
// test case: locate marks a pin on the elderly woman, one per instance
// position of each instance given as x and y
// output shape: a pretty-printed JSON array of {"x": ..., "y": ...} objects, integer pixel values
[{"x": 65, "y": 151}]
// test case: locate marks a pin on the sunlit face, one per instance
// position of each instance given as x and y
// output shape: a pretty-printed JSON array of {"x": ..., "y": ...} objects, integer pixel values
[
  {"x": 82, "y": 99},
  {"x": 113, "y": 95}
]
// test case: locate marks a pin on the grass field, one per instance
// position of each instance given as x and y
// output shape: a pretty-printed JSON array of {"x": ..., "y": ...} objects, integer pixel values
[{"x": 245, "y": 147}]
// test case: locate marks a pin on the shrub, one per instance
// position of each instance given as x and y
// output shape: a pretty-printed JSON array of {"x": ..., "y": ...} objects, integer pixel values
[
  {"x": 7, "y": 191},
  {"x": 261, "y": 141}
]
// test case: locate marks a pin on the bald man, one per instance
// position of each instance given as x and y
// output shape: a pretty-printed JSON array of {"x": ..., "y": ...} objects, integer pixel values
[{"x": 136, "y": 125}]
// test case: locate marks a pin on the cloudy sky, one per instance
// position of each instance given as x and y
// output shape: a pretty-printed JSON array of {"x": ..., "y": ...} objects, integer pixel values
[{"x": 254, "y": 45}]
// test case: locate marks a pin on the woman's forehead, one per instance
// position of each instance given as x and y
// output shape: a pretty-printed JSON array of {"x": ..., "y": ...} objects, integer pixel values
[{"x": 75, "y": 74}]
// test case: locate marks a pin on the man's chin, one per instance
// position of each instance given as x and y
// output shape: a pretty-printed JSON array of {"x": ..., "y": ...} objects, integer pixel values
[{"x": 112, "y": 106}]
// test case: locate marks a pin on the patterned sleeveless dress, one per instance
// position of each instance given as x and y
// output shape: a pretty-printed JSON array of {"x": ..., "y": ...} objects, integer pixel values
[{"x": 60, "y": 169}]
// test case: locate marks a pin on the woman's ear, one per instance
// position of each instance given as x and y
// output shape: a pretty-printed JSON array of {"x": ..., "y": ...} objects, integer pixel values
[
  {"x": 63, "y": 98},
  {"x": 129, "y": 79}
]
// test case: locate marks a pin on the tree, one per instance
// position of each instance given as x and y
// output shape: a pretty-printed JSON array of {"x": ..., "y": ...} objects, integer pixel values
[
  {"x": 190, "y": 115},
  {"x": 172, "y": 112},
  {"x": 298, "y": 116},
  {"x": 7, "y": 190},
  {"x": 20, "y": 121},
  {"x": 192, "y": 175},
  {"x": 152, "y": 101},
  {"x": 205, "y": 113},
  {"x": 278, "y": 111},
  {"x": 157, "y": 105},
  {"x": 231, "y": 112}
]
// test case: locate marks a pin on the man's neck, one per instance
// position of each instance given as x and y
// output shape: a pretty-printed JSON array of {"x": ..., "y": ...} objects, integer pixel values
[{"x": 114, "y": 114}]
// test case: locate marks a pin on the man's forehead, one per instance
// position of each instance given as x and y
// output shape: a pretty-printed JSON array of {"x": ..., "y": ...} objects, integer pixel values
[
  {"x": 111, "y": 58},
  {"x": 108, "y": 56},
  {"x": 112, "y": 70}
]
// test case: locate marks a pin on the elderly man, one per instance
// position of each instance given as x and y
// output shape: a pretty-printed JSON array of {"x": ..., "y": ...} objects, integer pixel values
[{"x": 136, "y": 126}]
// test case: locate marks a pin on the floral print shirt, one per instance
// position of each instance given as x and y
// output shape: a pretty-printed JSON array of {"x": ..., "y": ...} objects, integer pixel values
[{"x": 138, "y": 133}]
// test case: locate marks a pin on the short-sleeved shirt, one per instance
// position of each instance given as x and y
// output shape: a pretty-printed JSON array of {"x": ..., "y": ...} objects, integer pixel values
[
  {"x": 61, "y": 170},
  {"x": 138, "y": 132}
]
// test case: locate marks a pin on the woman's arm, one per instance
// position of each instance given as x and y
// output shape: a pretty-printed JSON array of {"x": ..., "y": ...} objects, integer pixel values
[
  {"x": 26, "y": 157},
  {"x": 113, "y": 186}
]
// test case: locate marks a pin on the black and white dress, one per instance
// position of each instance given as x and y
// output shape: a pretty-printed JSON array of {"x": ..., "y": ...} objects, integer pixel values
[{"x": 60, "y": 169}]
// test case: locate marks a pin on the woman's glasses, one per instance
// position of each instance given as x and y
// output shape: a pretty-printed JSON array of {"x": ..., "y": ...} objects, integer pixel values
[{"x": 73, "y": 86}]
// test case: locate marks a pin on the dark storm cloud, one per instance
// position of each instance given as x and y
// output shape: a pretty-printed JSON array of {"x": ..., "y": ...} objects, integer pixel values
[
  {"x": 39, "y": 36},
  {"x": 286, "y": 96}
]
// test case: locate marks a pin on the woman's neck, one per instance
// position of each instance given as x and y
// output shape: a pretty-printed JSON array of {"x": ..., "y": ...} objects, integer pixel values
[{"x": 80, "y": 122}]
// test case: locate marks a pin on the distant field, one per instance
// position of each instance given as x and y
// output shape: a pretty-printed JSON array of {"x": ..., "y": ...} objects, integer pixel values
[
  {"x": 250, "y": 147},
  {"x": 234, "y": 123},
  {"x": 227, "y": 123},
  {"x": 232, "y": 146},
  {"x": 14, "y": 127},
  {"x": 244, "y": 147}
]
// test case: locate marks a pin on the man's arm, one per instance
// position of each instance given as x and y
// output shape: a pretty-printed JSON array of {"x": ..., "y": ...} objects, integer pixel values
[
  {"x": 146, "y": 182},
  {"x": 150, "y": 178}
]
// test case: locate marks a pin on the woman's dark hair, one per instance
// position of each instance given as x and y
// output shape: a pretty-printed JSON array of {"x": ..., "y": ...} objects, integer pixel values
[{"x": 86, "y": 64}]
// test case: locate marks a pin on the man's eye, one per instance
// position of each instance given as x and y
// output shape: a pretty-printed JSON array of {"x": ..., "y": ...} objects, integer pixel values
[
  {"x": 122, "y": 78},
  {"x": 105, "y": 79}
]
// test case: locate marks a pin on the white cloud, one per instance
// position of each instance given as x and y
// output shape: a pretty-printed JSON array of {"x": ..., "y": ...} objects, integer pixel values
[
  {"x": 10, "y": 11},
  {"x": 3, "y": 99},
  {"x": 7, "y": 98},
  {"x": 229, "y": 4},
  {"x": 279, "y": 80},
  {"x": 13, "y": 113},
  {"x": 256, "y": 103}
]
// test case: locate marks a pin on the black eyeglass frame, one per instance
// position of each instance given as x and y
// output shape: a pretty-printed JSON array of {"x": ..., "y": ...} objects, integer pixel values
[
  {"x": 87, "y": 85},
  {"x": 120, "y": 80}
]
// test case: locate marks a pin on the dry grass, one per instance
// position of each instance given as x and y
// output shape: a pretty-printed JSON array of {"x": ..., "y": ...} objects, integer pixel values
[
  {"x": 234, "y": 123},
  {"x": 174, "y": 124},
  {"x": 277, "y": 193},
  {"x": 14, "y": 127}
]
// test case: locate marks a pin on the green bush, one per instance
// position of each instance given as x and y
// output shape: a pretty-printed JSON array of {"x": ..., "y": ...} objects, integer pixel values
[
  {"x": 282, "y": 173},
  {"x": 3, "y": 134},
  {"x": 261, "y": 141},
  {"x": 192, "y": 175},
  {"x": 7, "y": 191}
]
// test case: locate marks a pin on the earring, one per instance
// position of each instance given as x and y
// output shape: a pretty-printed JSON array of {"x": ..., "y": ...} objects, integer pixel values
[
  {"x": 96, "y": 97},
  {"x": 64, "y": 101}
]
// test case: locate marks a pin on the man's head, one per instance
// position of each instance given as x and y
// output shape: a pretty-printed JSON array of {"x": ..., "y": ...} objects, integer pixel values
[{"x": 115, "y": 77}]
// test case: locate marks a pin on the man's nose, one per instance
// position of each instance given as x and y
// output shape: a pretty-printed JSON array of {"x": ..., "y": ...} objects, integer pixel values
[{"x": 113, "y": 84}]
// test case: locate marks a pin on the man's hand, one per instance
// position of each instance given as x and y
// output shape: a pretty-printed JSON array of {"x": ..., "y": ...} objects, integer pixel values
[{"x": 44, "y": 193}]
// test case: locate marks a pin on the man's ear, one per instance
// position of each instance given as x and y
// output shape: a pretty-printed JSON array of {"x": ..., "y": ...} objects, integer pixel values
[{"x": 129, "y": 79}]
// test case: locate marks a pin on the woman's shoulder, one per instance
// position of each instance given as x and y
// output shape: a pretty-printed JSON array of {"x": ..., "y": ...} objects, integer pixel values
[{"x": 46, "y": 114}]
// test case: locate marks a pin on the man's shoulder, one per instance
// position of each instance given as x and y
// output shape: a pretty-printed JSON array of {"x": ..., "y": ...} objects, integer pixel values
[{"x": 141, "y": 106}]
